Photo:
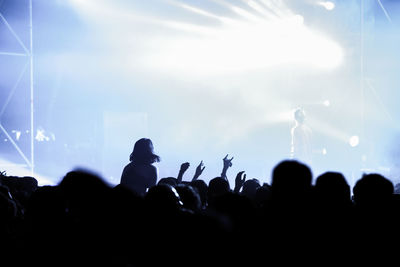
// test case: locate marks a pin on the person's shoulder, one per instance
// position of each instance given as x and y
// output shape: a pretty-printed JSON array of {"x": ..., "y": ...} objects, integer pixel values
[
  {"x": 129, "y": 167},
  {"x": 151, "y": 167}
]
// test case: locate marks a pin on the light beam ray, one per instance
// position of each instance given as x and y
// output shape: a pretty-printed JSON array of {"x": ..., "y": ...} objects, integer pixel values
[
  {"x": 239, "y": 11},
  {"x": 260, "y": 9},
  {"x": 197, "y": 10},
  {"x": 106, "y": 13},
  {"x": 277, "y": 8},
  {"x": 384, "y": 11}
]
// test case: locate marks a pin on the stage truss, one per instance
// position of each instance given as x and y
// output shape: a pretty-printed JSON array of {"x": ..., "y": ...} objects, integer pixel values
[{"x": 27, "y": 69}]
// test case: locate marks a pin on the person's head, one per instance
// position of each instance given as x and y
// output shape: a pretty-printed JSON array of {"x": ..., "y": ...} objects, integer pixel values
[
  {"x": 291, "y": 177},
  {"x": 189, "y": 196},
  {"x": 172, "y": 181},
  {"x": 372, "y": 190},
  {"x": 81, "y": 186},
  {"x": 250, "y": 187},
  {"x": 163, "y": 198},
  {"x": 332, "y": 188},
  {"x": 202, "y": 189},
  {"x": 299, "y": 115},
  {"x": 143, "y": 152},
  {"x": 216, "y": 187}
]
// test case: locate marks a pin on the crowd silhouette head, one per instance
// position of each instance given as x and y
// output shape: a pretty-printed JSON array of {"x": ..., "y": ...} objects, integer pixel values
[
  {"x": 373, "y": 190},
  {"x": 291, "y": 177}
]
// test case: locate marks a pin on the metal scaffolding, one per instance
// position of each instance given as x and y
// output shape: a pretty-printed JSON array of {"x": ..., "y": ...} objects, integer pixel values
[{"x": 28, "y": 67}]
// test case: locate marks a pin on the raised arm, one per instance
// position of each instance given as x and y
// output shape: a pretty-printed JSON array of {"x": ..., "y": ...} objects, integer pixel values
[
  {"x": 199, "y": 170},
  {"x": 227, "y": 164},
  {"x": 182, "y": 170}
]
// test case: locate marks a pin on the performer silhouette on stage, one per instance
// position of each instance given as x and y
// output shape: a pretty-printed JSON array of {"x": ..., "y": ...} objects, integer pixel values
[{"x": 301, "y": 138}]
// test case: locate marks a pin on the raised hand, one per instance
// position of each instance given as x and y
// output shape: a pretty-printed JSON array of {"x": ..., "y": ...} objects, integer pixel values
[
  {"x": 182, "y": 170},
  {"x": 199, "y": 170},
  {"x": 227, "y": 164},
  {"x": 239, "y": 181},
  {"x": 184, "y": 166}
]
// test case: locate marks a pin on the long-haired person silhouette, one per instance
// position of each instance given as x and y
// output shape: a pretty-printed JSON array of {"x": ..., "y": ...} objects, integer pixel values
[{"x": 140, "y": 174}]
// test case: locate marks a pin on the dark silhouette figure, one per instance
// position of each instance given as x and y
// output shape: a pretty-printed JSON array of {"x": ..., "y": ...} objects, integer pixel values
[
  {"x": 376, "y": 215},
  {"x": 8, "y": 215},
  {"x": 288, "y": 217},
  {"x": 162, "y": 209},
  {"x": 333, "y": 192},
  {"x": 239, "y": 210},
  {"x": 190, "y": 197},
  {"x": 202, "y": 189},
  {"x": 373, "y": 192},
  {"x": 291, "y": 182},
  {"x": 128, "y": 225},
  {"x": 262, "y": 196},
  {"x": 333, "y": 211},
  {"x": 84, "y": 218},
  {"x": 140, "y": 174},
  {"x": 20, "y": 189},
  {"x": 73, "y": 218},
  {"x": 217, "y": 186},
  {"x": 250, "y": 188},
  {"x": 88, "y": 206},
  {"x": 163, "y": 198},
  {"x": 46, "y": 220}
]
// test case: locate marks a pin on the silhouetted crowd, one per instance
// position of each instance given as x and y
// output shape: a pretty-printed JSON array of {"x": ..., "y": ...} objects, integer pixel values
[{"x": 292, "y": 220}]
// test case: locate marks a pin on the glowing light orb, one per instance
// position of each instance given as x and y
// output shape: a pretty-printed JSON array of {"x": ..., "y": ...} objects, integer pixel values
[
  {"x": 354, "y": 141},
  {"x": 327, "y": 103}
]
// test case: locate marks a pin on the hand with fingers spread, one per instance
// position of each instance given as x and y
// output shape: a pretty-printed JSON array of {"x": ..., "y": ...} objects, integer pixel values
[
  {"x": 182, "y": 170},
  {"x": 239, "y": 181},
  {"x": 227, "y": 164},
  {"x": 199, "y": 170}
]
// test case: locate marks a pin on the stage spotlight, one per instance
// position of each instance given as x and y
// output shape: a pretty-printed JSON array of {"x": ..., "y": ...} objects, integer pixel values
[
  {"x": 327, "y": 103},
  {"x": 324, "y": 151},
  {"x": 354, "y": 141},
  {"x": 327, "y": 4}
]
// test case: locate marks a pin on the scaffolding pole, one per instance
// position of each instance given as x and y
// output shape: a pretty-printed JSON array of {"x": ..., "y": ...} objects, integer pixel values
[
  {"x": 31, "y": 87},
  {"x": 28, "y": 53}
]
